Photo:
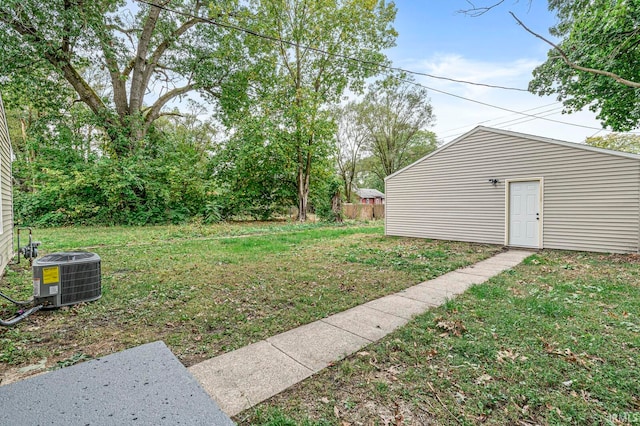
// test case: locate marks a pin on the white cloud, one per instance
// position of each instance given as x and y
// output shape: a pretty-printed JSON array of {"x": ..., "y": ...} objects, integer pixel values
[
  {"x": 458, "y": 67},
  {"x": 455, "y": 116}
]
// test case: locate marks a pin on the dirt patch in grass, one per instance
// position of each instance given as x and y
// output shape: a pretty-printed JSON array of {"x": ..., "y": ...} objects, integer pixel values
[
  {"x": 205, "y": 291},
  {"x": 555, "y": 340}
]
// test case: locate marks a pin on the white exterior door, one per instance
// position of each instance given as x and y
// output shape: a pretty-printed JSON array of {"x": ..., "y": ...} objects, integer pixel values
[{"x": 524, "y": 214}]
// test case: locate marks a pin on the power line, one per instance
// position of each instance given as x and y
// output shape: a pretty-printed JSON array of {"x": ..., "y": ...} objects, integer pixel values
[
  {"x": 516, "y": 122},
  {"x": 502, "y": 108},
  {"x": 324, "y": 52},
  {"x": 593, "y": 135},
  {"x": 523, "y": 120},
  {"x": 498, "y": 118},
  {"x": 520, "y": 120},
  {"x": 513, "y": 121},
  {"x": 377, "y": 65}
]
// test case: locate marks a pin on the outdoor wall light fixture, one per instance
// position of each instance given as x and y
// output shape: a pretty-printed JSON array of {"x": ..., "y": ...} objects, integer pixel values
[{"x": 494, "y": 182}]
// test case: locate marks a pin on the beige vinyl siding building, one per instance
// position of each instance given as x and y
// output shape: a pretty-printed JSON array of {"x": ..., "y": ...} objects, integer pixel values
[
  {"x": 548, "y": 194},
  {"x": 6, "y": 204}
]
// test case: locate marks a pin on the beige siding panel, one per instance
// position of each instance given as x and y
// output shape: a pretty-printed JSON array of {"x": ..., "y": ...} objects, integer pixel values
[
  {"x": 6, "y": 237},
  {"x": 591, "y": 199}
]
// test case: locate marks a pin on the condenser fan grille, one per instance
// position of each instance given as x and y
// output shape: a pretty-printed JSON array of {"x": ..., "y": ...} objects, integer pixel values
[
  {"x": 67, "y": 256},
  {"x": 79, "y": 282}
]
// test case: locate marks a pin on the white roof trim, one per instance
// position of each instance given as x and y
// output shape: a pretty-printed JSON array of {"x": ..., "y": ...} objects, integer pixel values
[
  {"x": 563, "y": 143},
  {"x": 521, "y": 135}
]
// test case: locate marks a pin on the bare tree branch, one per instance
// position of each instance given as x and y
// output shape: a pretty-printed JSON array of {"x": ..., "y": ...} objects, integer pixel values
[
  {"x": 126, "y": 31},
  {"x": 572, "y": 64},
  {"x": 154, "y": 111},
  {"x": 137, "y": 78},
  {"x": 171, "y": 114},
  {"x": 162, "y": 47},
  {"x": 476, "y": 11},
  {"x": 117, "y": 80}
]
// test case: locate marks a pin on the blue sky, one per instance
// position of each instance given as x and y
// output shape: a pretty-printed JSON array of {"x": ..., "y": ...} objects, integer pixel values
[{"x": 436, "y": 39}]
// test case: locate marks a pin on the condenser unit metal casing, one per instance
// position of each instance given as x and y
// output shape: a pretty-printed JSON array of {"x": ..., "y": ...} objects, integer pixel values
[{"x": 67, "y": 278}]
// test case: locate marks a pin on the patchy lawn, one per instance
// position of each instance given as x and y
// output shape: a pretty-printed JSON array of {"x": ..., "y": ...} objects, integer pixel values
[
  {"x": 555, "y": 340},
  {"x": 206, "y": 290}
]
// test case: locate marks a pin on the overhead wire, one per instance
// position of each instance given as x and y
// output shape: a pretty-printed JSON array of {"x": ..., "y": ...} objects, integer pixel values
[
  {"x": 520, "y": 120},
  {"x": 502, "y": 108},
  {"x": 378, "y": 66},
  {"x": 325, "y": 52},
  {"x": 512, "y": 122},
  {"x": 515, "y": 122},
  {"x": 475, "y": 123}
]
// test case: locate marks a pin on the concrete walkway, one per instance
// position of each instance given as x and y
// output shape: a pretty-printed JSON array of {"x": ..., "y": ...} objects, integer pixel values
[{"x": 241, "y": 379}]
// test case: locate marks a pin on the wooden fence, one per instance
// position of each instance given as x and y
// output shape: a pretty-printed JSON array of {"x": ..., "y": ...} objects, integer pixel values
[{"x": 363, "y": 211}]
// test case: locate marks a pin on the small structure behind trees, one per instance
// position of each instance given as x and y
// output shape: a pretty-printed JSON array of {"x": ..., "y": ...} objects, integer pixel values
[{"x": 370, "y": 196}]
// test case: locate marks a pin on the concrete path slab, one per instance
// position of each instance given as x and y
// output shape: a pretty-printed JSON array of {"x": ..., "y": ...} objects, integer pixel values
[
  {"x": 318, "y": 344},
  {"x": 146, "y": 385},
  {"x": 400, "y": 306},
  {"x": 240, "y": 379},
  {"x": 513, "y": 255},
  {"x": 484, "y": 272},
  {"x": 454, "y": 281},
  {"x": 365, "y": 322},
  {"x": 431, "y": 295},
  {"x": 504, "y": 262},
  {"x": 495, "y": 261}
]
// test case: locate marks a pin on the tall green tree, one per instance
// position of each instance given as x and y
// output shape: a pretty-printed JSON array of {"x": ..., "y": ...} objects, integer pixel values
[
  {"x": 316, "y": 50},
  {"x": 253, "y": 171},
  {"x": 396, "y": 114},
  {"x": 596, "y": 64},
  {"x": 62, "y": 177},
  {"x": 351, "y": 136},
  {"x": 624, "y": 142},
  {"x": 124, "y": 62},
  {"x": 32, "y": 109}
]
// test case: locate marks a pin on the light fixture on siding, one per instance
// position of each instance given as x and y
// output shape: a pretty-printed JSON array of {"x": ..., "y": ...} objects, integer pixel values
[{"x": 494, "y": 182}]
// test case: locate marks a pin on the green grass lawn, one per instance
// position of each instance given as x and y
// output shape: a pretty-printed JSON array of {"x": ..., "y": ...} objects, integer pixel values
[
  {"x": 206, "y": 290},
  {"x": 555, "y": 340}
]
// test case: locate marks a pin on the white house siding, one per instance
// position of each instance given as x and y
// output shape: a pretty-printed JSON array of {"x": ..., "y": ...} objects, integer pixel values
[
  {"x": 6, "y": 237},
  {"x": 591, "y": 199}
]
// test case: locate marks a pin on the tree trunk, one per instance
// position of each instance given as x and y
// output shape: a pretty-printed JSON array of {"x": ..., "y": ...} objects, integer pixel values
[
  {"x": 336, "y": 206},
  {"x": 347, "y": 189},
  {"x": 303, "y": 194}
]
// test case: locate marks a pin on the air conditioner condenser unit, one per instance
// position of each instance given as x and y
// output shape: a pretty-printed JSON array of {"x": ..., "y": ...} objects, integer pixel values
[{"x": 66, "y": 278}]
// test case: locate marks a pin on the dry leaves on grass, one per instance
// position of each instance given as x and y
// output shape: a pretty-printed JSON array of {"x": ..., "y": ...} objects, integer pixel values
[
  {"x": 450, "y": 328},
  {"x": 517, "y": 292},
  {"x": 430, "y": 354},
  {"x": 397, "y": 415},
  {"x": 621, "y": 258},
  {"x": 583, "y": 359},
  {"x": 509, "y": 355},
  {"x": 484, "y": 378}
]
